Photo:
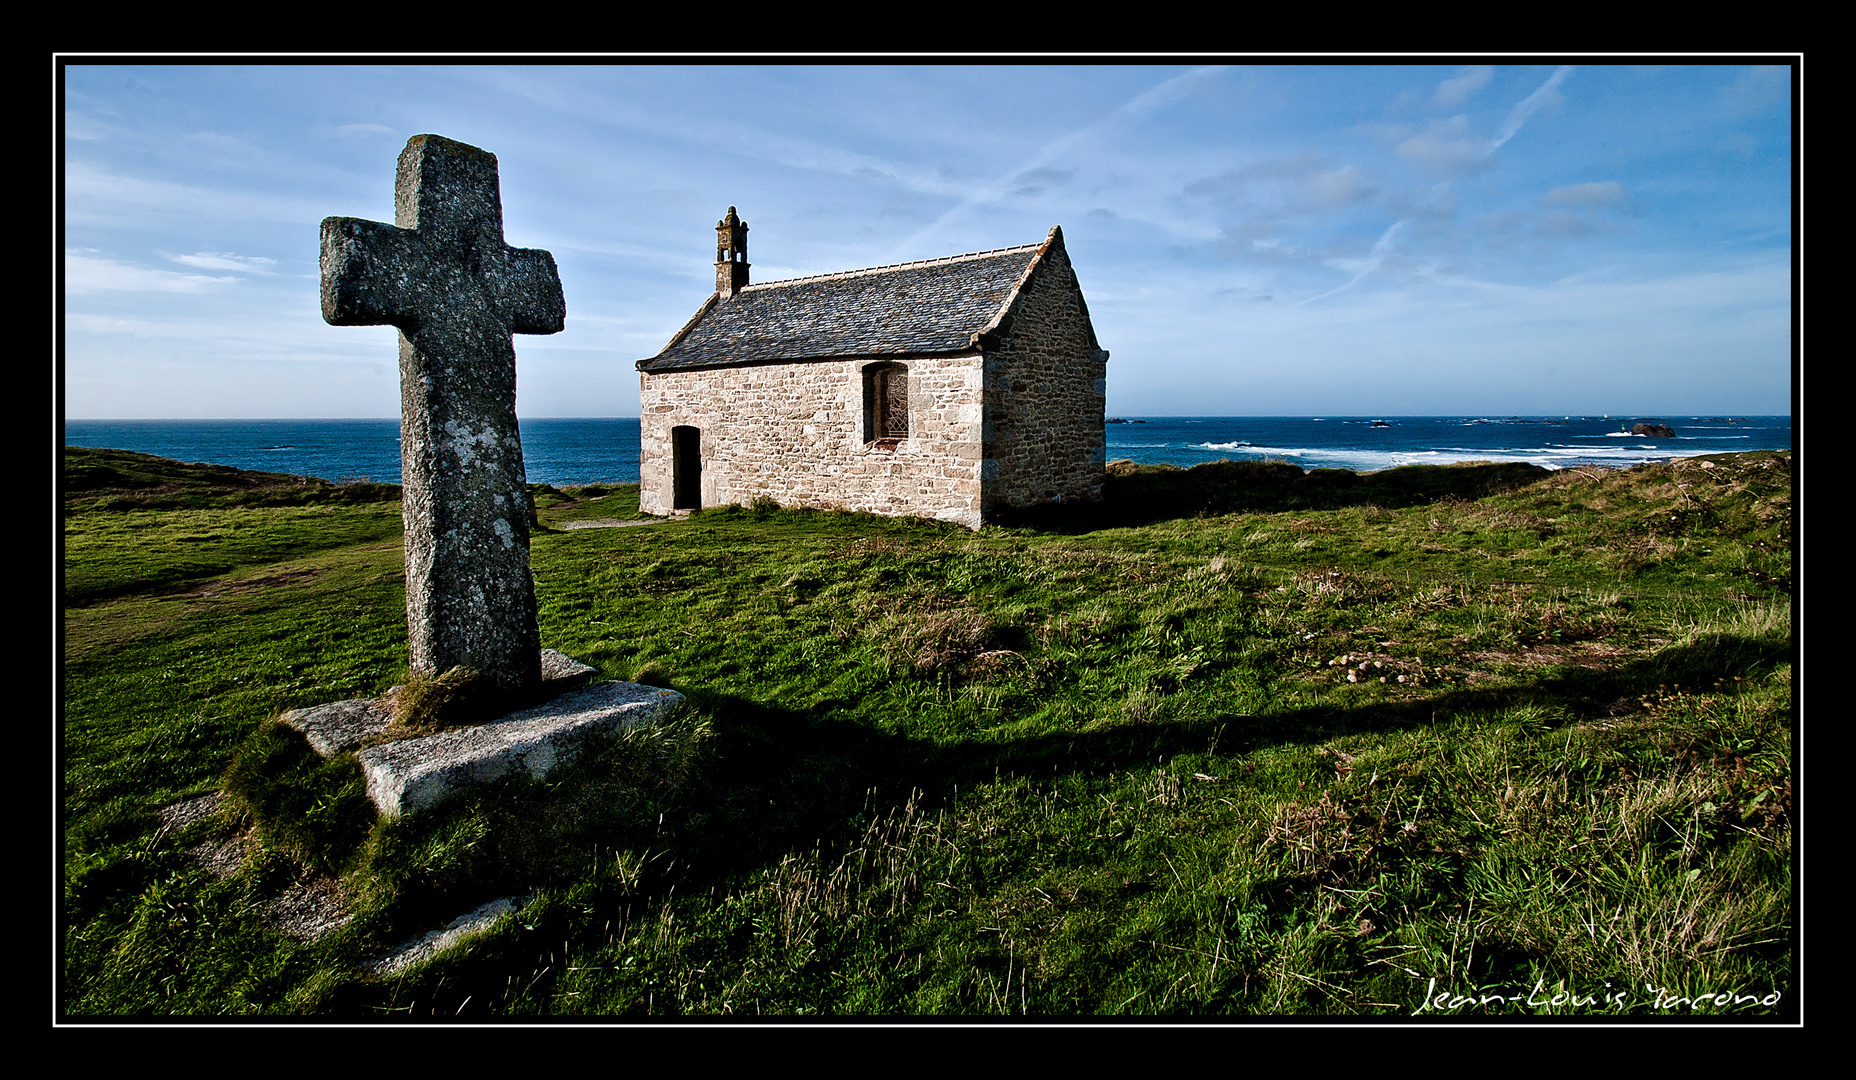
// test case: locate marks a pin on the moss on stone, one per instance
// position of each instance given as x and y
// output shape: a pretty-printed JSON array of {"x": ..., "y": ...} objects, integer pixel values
[{"x": 459, "y": 697}]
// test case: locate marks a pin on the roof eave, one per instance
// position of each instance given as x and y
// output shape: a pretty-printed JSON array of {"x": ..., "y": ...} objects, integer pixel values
[
  {"x": 707, "y": 306},
  {"x": 762, "y": 361}
]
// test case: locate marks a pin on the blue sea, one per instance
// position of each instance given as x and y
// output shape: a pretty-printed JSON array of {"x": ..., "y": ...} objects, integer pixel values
[{"x": 587, "y": 451}]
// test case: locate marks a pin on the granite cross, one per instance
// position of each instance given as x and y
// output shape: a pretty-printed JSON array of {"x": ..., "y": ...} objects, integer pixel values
[{"x": 443, "y": 275}]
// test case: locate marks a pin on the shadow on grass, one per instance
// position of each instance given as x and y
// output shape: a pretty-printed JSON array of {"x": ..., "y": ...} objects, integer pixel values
[
  {"x": 768, "y": 781},
  {"x": 1583, "y": 693},
  {"x": 1143, "y": 494},
  {"x": 781, "y": 781},
  {"x": 771, "y": 782}
]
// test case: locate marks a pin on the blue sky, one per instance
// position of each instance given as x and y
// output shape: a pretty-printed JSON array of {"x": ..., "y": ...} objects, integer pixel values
[{"x": 1252, "y": 240}]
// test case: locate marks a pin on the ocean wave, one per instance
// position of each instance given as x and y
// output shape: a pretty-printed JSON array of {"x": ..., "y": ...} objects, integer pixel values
[
  {"x": 1547, "y": 457},
  {"x": 1249, "y": 448}
]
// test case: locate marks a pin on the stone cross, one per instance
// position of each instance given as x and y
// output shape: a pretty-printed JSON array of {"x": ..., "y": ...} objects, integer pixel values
[{"x": 444, "y": 276}]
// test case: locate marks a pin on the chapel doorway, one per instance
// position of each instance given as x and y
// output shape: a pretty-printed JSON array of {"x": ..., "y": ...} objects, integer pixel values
[{"x": 685, "y": 468}]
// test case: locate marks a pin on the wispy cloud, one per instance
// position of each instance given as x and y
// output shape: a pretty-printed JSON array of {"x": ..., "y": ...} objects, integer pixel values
[
  {"x": 1301, "y": 181},
  {"x": 225, "y": 260},
  {"x": 1449, "y": 149},
  {"x": 1547, "y": 94},
  {"x": 1141, "y": 105},
  {"x": 1596, "y": 193},
  {"x": 1189, "y": 196},
  {"x": 1361, "y": 267},
  {"x": 81, "y": 126},
  {"x": 1453, "y": 92},
  {"x": 1344, "y": 186},
  {"x": 1755, "y": 89},
  {"x": 629, "y": 115},
  {"x": 1576, "y": 210},
  {"x": 1038, "y": 181},
  {"x": 85, "y": 275},
  {"x": 98, "y": 196}
]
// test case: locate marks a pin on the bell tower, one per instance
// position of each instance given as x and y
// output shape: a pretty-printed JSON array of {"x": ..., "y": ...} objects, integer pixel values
[{"x": 731, "y": 255}]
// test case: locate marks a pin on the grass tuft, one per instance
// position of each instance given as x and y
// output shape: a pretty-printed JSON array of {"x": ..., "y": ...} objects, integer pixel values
[{"x": 459, "y": 697}]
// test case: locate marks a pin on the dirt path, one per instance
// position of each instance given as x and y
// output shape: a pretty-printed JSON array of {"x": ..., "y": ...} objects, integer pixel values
[{"x": 607, "y": 523}]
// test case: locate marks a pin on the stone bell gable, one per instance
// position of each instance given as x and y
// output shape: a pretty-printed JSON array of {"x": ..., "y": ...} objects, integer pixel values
[{"x": 947, "y": 388}]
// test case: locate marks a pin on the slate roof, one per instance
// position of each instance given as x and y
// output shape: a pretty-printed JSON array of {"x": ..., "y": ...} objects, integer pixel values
[{"x": 931, "y": 306}]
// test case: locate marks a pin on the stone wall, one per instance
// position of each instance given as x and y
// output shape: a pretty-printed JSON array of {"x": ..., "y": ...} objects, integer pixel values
[
  {"x": 1045, "y": 396},
  {"x": 793, "y": 432}
]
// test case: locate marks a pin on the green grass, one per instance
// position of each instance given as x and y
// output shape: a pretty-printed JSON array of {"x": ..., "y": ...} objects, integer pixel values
[{"x": 1129, "y": 759}]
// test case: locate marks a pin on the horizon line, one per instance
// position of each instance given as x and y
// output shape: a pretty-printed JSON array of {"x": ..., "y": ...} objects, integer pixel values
[{"x": 1562, "y": 414}]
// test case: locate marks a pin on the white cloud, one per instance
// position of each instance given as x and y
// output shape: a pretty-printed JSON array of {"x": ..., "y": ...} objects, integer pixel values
[
  {"x": 1141, "y": 105},
  {"x": 1547, "y": 94},
  {"x": 1596, "y": 193},
  {"x": 1361, "y": 267},
  {"x": 1572, "y": 226},
  {"x": 1757, "y": 88},
  {"x": 1453, "y": 92},
  {"x": 1585, "y": 201},
  {"x": 1181, "y": 217},
  {"x": 1340, "y": 187},
  {"x": 225, "y": 260},
  {"x": 1447, "y": 149},
  {"x": 1453, "y": 344},
  {"x": 84, "y": 275},
  {"x": 215, "y": 149},
  {"x": 717, "y": 134},
  {"x": 1038, "y": 181},
  {"x": 93, "y": 196},
  {"x": 77, "y": 125}
]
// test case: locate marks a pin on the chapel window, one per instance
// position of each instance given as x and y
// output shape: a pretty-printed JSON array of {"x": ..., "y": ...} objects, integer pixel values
[{"x": 886, "y": 404}]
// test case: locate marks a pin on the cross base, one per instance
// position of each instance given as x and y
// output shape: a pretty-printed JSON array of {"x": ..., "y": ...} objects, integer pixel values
[{"x": 411, "y": 775}]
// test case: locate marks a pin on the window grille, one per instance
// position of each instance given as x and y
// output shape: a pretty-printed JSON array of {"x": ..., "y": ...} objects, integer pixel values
[{"x": 886, "y": 404}]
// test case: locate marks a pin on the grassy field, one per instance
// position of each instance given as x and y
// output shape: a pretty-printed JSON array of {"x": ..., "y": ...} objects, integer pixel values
[{"x": 1241, "y": 740}]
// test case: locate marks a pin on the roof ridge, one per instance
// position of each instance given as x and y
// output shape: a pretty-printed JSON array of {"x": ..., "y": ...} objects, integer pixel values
[{"x": 890, "y": 266}]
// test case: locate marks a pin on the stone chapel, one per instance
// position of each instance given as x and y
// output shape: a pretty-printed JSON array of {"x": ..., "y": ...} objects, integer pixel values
[{"x": 951, "y": 388}]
